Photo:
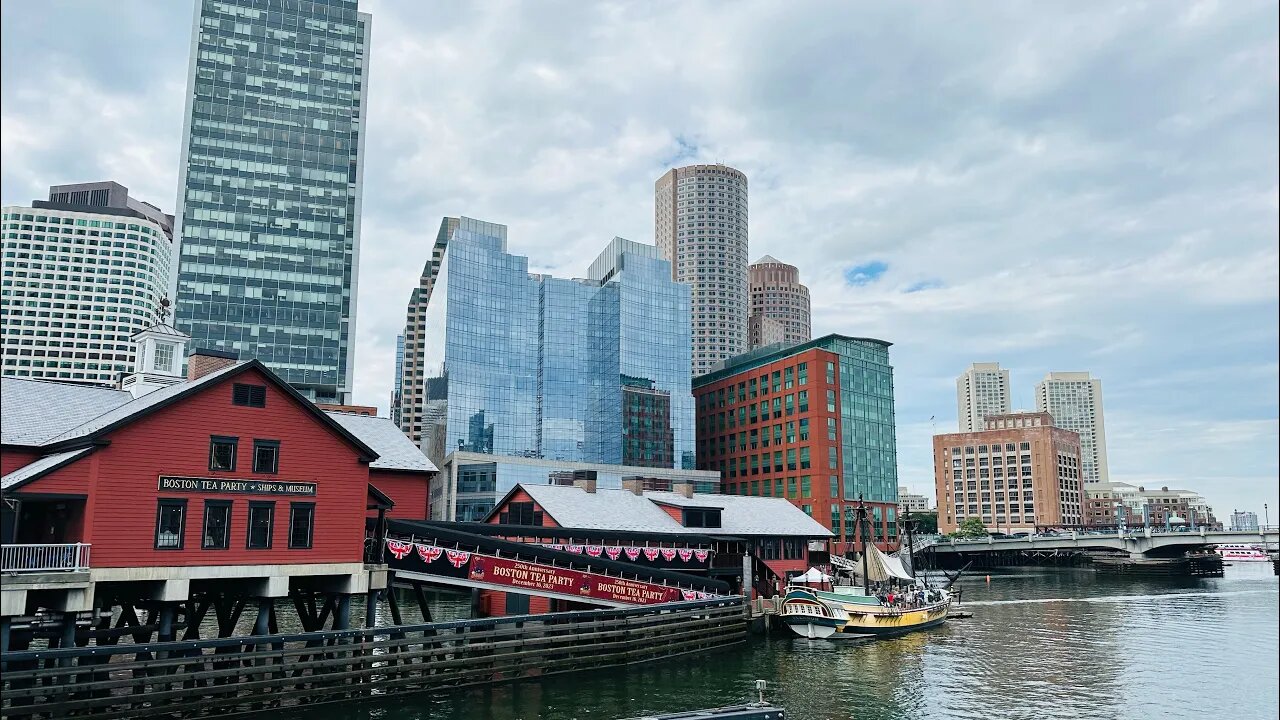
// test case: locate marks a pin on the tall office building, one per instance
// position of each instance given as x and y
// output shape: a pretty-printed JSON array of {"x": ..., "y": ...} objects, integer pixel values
[
  {"x": 83, "y": 271},
  {"x": 777, "y": 294},
  {"x": 399, "y": 387},
  {"x": 1075, "y": 401},
  {"x": 982, "y": 390},
  {"x": 586, "y": 370},
  {"x": 700, "y": 222},
  {"x": 412, "y": 372},
  {"x": 270, "y": 187}
]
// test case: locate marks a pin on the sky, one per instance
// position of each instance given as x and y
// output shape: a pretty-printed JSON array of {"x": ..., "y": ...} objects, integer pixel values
[{"x": 1055, "y": 186}]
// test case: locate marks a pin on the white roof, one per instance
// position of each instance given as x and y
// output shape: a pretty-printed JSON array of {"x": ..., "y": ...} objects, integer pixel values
[
  {"x": 573, "y": 507},
  {"x": 41, "y": 466},
  {"x": 395, "y": 450}
]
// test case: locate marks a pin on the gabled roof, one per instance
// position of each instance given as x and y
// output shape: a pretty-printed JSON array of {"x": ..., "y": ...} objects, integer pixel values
[
  {"x": 395, "y": 450},
  {"x": 768, "y": 259},
  {"x": 163, "y": 329},
  {"x": 740, "y": 515},
  {"x": 32, "y": 412},
  {"x": 96, "y": 414},
  {"x": 41, "y": 467}
]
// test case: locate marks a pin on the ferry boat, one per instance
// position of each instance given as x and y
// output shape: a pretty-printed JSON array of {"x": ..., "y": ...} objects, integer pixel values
[
  {"x": 1243, "y": 553},
  {"x": 838, "y": 607}
]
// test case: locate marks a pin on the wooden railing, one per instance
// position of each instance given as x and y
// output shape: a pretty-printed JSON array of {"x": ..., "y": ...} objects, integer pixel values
[{"x": 251, "y": 674}]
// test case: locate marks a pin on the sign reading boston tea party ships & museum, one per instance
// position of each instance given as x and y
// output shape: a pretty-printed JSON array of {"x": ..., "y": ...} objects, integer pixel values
[{"x": 169, "y": 483}]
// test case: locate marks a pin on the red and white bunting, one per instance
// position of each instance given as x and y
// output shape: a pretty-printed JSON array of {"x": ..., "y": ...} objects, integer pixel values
[
  {"x": 573, "y": 548},
  {"x": 458, "y": 557},
  {"x": 595, "y": 550},
  {"x": 429, "y": 553},
  {"x": 701, "y": 555},
  {"x": 651, "y": 553},
  {"x": 633, "y": 553},
  {"x": 399, "y": 548},
  {"x": 685, "y": 555},
  {"x": 613, "y": 551},
  {"x": 689, "y": 594},
  {"x": 668, "y": 554}
]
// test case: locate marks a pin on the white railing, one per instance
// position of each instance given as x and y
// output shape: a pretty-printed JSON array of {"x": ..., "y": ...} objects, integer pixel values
[{"x": 44, "y": 558}]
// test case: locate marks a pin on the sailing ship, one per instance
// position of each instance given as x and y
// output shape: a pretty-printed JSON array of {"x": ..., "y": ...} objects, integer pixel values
[{"x": 902, "y": 604}]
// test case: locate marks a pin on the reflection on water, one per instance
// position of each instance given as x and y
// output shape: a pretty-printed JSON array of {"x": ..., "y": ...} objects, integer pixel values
[{"x": 1041, "y": 645}]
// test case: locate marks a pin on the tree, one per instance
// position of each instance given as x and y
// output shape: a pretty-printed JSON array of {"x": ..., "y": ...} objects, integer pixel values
[
  {"x": 972, "y": 528},
  {"x": 926, "y": 522}
]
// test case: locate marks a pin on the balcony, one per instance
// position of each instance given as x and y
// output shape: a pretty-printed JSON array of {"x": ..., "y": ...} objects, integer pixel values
[{"x": 22, "y": 559}]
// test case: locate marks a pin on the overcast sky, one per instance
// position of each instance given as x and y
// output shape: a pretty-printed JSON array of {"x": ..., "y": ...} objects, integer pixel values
[{"x": 1054, "y": 186}]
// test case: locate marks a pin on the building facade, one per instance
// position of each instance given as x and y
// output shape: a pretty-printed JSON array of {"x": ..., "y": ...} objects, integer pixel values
[
  {"x": 700, "y": 225},
  {"x": 1075, "y": 401},
  {"x": 82, "y": 272},
  {"x": 763, "y": 331},
  {"x": 982, "y": 390},
  {"x": 1244, "y": 521},
  {"x": 398, "y": 387},
  {"x": 411, "y": 373},
  {"x": 270, "y": 186},
  {"x": 911, "y": 502},
  {"x": 777, "y": 294},
  {"x": 1018, "y": 473},
  {"x": 590, "y": 370},
  {"x": 812, "y": 423}
]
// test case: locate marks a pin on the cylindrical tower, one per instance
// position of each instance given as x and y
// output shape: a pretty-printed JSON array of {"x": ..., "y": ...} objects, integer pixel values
[
  {"x": 700, "y": 223},
  {"x": 777, "y": 294}
]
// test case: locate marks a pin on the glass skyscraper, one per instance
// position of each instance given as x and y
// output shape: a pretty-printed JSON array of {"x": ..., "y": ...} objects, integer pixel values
[
  {"x": 270, "y": 186},
  {"x": 591, "y": 370}
]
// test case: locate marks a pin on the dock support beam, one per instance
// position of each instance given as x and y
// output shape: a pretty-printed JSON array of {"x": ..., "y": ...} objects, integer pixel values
[{"x": 342, "y": 612}]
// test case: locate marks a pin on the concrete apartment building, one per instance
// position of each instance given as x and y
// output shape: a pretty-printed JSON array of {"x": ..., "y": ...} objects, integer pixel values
[
  {"x": 1075, "y": 401},
  {"x": 1018, "y": 473},
  {"x": 83, "y": 272},
  {"x": 1109, "y": 504},
  {"x": 777, "y": 294},
  {"x": 982, "y": 390},
  {"x": 700, "y": 227},
  {"x": 764, "y": 331},
  {"x": 911, "y": 502},
  {"x": 1243, "y": 520}
]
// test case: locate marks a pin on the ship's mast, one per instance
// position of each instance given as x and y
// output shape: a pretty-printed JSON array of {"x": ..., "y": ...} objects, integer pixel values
[{"x": 862, "y": 530}]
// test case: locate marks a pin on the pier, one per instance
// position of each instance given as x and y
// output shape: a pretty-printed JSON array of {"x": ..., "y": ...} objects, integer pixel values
[{"x": 247, "y": 675}]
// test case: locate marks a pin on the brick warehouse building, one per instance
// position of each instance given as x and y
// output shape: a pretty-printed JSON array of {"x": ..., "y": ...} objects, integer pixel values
[
  {"x": 186, "y": 487},
  {"x": 811, "y": 422},
  {"x": 1018, "y": 473}
]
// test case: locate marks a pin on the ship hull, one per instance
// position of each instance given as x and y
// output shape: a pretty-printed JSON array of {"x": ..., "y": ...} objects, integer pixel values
[{"x": 816, "y": 614}]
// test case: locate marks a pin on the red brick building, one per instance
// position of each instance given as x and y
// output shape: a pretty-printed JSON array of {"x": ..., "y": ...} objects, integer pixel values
[
  {"x": 228, "y": 480},
  {"x": 812, "y": 423}
]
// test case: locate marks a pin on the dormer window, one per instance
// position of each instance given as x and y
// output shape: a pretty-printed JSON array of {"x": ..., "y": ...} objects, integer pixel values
[
  {"x": 702, "y": 517},
  {"x": 164, "y": 357}
]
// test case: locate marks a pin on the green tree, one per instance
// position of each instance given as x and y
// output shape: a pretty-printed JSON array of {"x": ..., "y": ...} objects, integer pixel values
[
  {"x": 972, "y": 528},
  {"x": 927, "y": 522}
]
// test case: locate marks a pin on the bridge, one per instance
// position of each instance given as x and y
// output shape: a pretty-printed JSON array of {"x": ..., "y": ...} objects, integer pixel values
[{"x": 1139, "y": 543}]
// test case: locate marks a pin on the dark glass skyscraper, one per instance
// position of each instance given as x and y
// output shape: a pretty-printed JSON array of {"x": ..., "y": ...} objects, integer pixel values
[{"x": 271, "y": 179}]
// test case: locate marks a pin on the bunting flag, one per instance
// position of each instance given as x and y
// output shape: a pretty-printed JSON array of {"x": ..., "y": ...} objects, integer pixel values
[
  {"x": 594, "y": 550},
  {"x": 633, "y": 553},
  {"x": 429, "y": 553},
  {"x": 573, "y": 548},
  {"x": 701, "y": 555},
  {"x": 613, "y": 551},
  {"x": 651, "y": 553},
  {"x": 556, "y": 546},
  {"x": 689, "y": 594},
  {"x": 685, "y": 555},
  {"x": 668, "y": 554},
  {"x": 458, "y": 557},
  {"x": 399, "y": 548}
]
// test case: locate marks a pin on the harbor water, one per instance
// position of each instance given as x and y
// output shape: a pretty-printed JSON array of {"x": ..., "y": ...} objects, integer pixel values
[{"x": 1043, "y": 643}]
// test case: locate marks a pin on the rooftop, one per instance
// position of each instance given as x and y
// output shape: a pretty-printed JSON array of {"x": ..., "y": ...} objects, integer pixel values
[{"x": 778, "y": 351}]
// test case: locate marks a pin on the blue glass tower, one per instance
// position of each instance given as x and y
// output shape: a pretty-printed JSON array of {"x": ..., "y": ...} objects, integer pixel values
[
  {"x": 269, "y": 206},
  {"x": 589, "y": 370}
]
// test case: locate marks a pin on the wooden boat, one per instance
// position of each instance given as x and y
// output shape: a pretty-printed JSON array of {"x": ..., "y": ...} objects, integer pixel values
[{"x": 842, "y": 608}]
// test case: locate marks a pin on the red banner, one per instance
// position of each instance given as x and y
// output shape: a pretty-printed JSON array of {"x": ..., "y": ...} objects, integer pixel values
[{"x": 513, "y": 573}]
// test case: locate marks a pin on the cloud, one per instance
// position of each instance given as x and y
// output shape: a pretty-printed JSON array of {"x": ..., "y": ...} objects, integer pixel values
[
  {"x": 865, "y": 273},
  {"x": 1070, "y": 186}
]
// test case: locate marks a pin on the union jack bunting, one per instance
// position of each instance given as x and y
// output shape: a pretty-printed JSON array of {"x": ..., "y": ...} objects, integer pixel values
[
  {"x": 429, "y": 553},
  {"x": 651, "y": 553},
  {"x": 458, "y": 557},
  {"x": 685, "y": 555},
  {"x": 613, "y": 552},
  {"x": 668, "y": 554},
  {"x": 632, "y": 553},
  {"x": 594, "y": 550},
  {"x": 701, "y": 555},
  {"x": 573, "y": 548},
  {"x": 399, "y": 548}
]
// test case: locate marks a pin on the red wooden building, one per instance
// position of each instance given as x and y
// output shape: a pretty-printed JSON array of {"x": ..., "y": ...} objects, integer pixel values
[
  {"x": 754, "y": 543},
  {"x": 230, "y": 482}
]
